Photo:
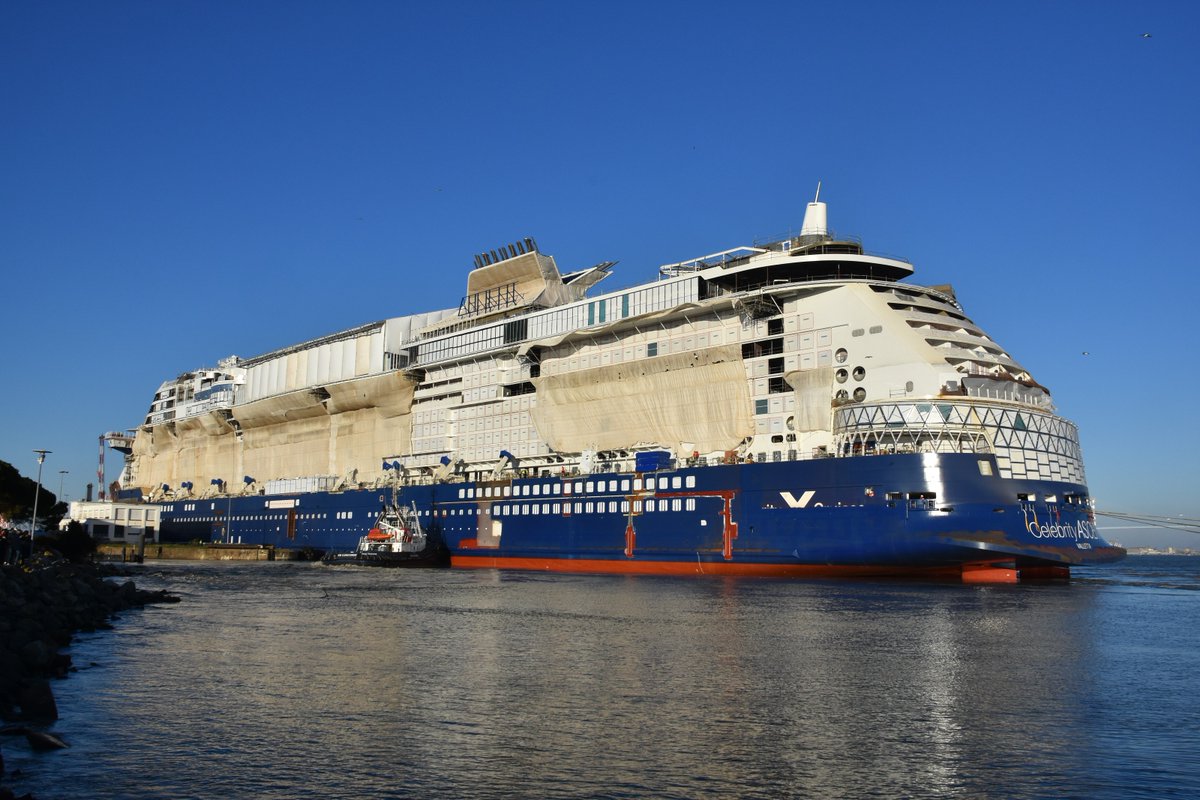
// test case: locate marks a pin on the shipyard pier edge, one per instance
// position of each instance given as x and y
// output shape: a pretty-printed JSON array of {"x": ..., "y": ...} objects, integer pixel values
[{"x": 789, "y": 408}]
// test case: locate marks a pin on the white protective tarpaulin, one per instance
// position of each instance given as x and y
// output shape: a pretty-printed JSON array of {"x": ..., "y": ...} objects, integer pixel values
[
  {"x": 813, "y": 389},
  {"x": 697, "y": 400},
  {"x": 292, "y": 435}
]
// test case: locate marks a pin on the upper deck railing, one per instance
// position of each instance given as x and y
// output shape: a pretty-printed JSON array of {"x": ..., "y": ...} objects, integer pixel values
[{"x": 490, "y": 300}]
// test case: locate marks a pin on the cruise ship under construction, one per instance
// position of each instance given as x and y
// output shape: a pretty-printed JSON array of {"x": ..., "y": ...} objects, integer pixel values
[{"x": 793, "y": 408}]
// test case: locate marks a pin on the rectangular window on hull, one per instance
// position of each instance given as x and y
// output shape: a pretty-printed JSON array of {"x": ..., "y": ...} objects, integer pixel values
[
  {"x": 516, "y": 331},
  {"x": 766, "y": 347},
  {"x": 518, "y": 389},
  {"x": 922, "y": 500}
]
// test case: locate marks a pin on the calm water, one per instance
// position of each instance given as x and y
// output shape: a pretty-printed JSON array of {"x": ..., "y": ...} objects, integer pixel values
[{"x": 288, "y": 680}]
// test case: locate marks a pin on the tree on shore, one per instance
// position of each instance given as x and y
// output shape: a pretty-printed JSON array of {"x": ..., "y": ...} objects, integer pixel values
[{"x": 16, "y": 496}]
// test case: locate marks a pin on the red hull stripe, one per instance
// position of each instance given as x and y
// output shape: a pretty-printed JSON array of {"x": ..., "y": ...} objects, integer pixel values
[{"x": 598, "y": 565}]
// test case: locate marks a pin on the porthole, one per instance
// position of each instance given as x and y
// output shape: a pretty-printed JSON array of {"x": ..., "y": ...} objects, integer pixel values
[
  {"x": 791, "y": 423},
  {"x": 841, "y": 375},
  {"x": 841, "y": 395},
  {"x": 841, "y": 355},
  {"x": 860, "y": 394},
  {"x": 859, "y": 373}
]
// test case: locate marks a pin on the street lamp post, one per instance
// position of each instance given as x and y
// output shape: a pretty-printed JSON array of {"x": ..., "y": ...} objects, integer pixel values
[
  {"x": 61, "y": 474},
  {"x": 37, "y": 491}
]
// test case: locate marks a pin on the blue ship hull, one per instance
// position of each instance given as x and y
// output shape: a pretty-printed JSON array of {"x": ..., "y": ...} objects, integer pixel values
[{"x": 885, "y": 514}]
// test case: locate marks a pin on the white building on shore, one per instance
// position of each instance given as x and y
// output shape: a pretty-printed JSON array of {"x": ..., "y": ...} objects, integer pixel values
[{"x": 118, "y": 522}]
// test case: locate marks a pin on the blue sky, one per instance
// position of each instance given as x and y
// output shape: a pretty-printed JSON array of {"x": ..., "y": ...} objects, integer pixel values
[{"x": 184, "y": 181}]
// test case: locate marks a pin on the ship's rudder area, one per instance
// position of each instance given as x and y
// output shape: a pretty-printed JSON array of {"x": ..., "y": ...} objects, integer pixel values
[
  {"x": 1072, "y": 542},
  {"x": 1018, "y": 571},
  {"x": 1001, "y": 555}
]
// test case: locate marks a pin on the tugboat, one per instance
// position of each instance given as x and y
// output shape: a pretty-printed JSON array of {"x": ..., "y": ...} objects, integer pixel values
[{"x": 396, "y": 540}]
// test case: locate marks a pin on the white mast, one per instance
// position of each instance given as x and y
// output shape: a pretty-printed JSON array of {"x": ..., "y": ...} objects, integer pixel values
[{"x": 815, "y": 217}]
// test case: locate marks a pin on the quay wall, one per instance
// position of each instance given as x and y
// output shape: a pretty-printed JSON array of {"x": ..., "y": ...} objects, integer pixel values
[{"x": 115, "y": 551}]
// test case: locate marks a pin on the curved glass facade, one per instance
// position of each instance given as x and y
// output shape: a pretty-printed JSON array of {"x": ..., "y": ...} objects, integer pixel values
[{"x": 1027, "y": 443}]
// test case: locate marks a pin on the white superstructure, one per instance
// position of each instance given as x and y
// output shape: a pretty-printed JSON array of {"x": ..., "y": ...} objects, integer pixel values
[{"x": 800, "y": 348}]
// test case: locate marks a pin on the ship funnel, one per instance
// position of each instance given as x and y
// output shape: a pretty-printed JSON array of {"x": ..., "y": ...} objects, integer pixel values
[{"x": 814, "y": 217}]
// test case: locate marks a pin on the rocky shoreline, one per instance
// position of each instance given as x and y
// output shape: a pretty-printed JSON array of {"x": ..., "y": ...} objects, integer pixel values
[{"x": 43, "y": 604}]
